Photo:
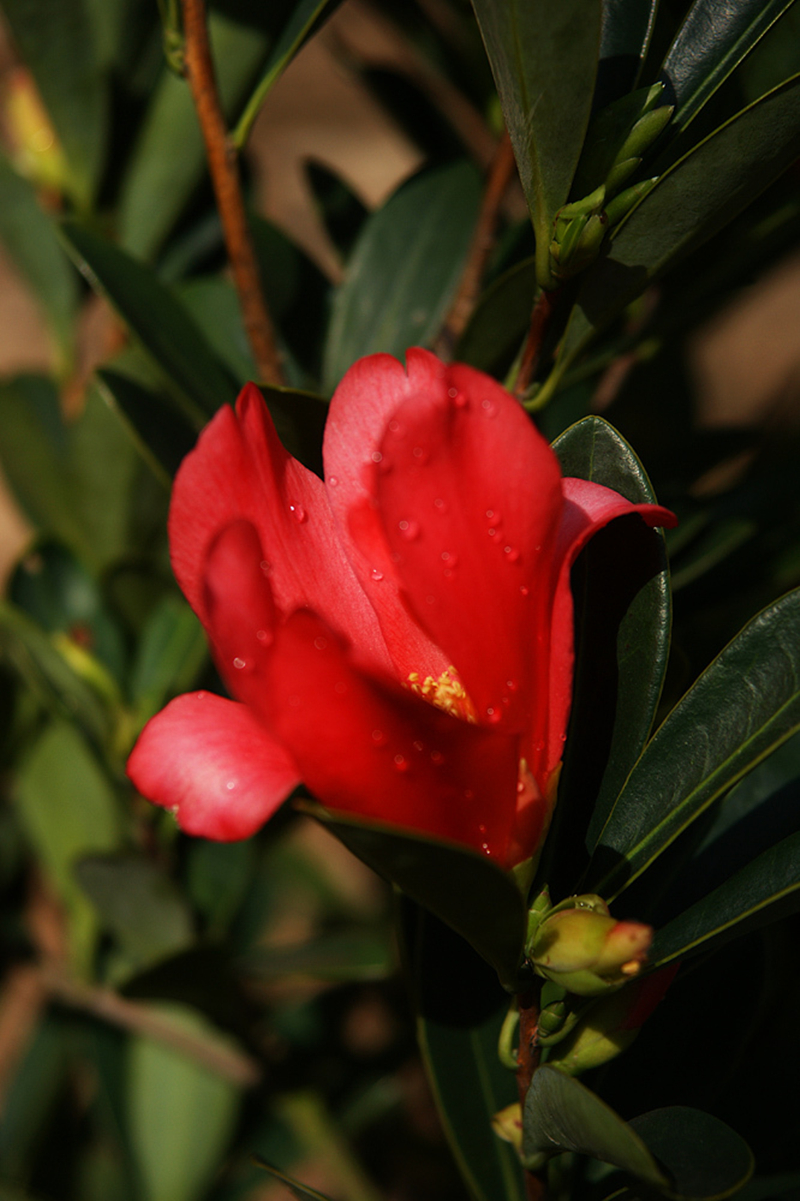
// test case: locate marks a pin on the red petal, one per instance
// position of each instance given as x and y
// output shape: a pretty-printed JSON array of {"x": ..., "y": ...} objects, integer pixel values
[
  {"x": 212, "y": 763},
  {"x": 240, "y": 470},
  {"x": 470, "y": 506},
  {"x": 370, "y": 749},
  {"x": 360, "y": 411}
]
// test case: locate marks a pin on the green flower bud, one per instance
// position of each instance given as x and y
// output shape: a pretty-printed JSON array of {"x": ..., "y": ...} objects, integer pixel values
[
  {"x": 621, "y": 205},
  {"x": 586, "y": 951},
  {"x": 507, "y": 1125},
  {"x": 619, "y": 173},
  {"x": 644, "y": 133}
]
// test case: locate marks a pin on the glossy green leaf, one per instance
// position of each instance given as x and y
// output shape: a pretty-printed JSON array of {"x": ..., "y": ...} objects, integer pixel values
[
  {"x": 745, "y": 704},
  {"x": 544, "y": 61},
  {"x": 168, "y": 159},
  {"x": 501, "y": 319},
  {"x": 306, "y": 18},
  {"x": 464, "y": 889},
  {"x": 460, "y": 1009},
  {"x": 625, "y": 36},
  {"x": 157, "y": 318},
  {"x": 705, "y": 1159},
  {"x": 693, "y": 200},
  {"x": 739, "y": 905},
  {"x": 404, "y": 269},
  {"x": 301, "y": 1191},
  {"x": 561, "y": 1114},
  {"x": 31, "y": 240},
  {"x": 137, "y": 902},
  {"x": 163, "y": 434},
  {"x": 171, "y": 651},
  {"x": 181, "y": 1113},
  {"x": 55, "y": 40},
  {"x": 709, "y": 45},
  {"x": 69, "y": 810}
]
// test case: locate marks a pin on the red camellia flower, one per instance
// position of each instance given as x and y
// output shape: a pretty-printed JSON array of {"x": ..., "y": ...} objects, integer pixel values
[{"x": 398, "y": 637}]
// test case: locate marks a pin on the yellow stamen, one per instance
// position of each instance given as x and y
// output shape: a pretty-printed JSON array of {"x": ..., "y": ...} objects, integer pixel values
[{"x": 447, "y": 693}]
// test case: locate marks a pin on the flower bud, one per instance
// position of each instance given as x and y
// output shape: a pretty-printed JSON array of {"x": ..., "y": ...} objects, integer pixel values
[
  {"x": 586, "y": 951},
  {"x": 611, "y": 1024},
  {"x": 507, "y": 1125}
]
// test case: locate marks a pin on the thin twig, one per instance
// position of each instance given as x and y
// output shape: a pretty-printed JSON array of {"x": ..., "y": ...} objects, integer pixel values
[
  {"x": 500, "y": 174},
  {"x": 223, "y": 166},
  {"x": 527, "y": 1062},
  {"x": 540, "y": 321}
]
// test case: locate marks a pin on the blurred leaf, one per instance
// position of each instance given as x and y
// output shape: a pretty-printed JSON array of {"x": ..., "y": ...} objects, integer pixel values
[
  {"x": 625, "y": 37},
  {"x": 709, "y": 45},
  {"x": 181, "y": 1114},
  {"x": 544, "y": 61},
  {"x": 69, "y": 810},
  {"x": 561, "y": 1114},
  {"x": 306, "y": 18},
  {"x": 171, "y": 651},
  {"x": 168, "y": 159},
  {"x": 593, "y": 450},
  {"x": 692, "y": 200},
  {"x": 742, "y": 707},
  {"x": 161, "y": 431},
  {"x": 31, "y": 1093},
  {"x": 703, "y": 1156},
  {"x": 341, "y": 210},
  {"x": 157, "y": 318},
  {"x": 301, "y": 1191},
  {"x": 739, "y": 905},
  {"x": 55, "y": 40},
  {"x": 31, "y": 240},
  {"x": 219, "y": 874},
  {"x": 460, "y": 1008},
  {"x": 404, "y": 269},
  {"x": 500, "y": 320},
  {"x": 712, "y": 547},
  {"x": 467, "y": 891},
  {"x": 137, "y": 902},
  {"x": 212, "y": 302},
  {"x": 346, "y": 955}
]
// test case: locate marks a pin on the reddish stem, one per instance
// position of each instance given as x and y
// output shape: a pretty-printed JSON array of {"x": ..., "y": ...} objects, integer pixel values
[
  {"x": 224, "y": 170},
  {"x": 541, "y": 317}
]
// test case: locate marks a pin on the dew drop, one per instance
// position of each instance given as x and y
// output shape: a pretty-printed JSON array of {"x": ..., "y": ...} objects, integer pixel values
[
  {"x": 512, "y": 685},
  {"x": 485, "y": 848},
  {"x": 378, "y": 737},
  {"x": 419, "y": 746},
  {"x": 376, "y": 456},
  {"x": 420, "y": 454},
  {"x": 440, "y": 504},
  {"x": 409, "y": 530},
  {"x": 231, "y": 784},
  {"x": 493, "y": 715},
  {"x": 265, "y": 566},
  {"x": 482, "y": 828},
  {"x": 333, "y": 481},
  {"x": 468, "y": 794},
  {"x": 299, "y": 513},
  {"x": 460, "y": 400},
  {"x": 340, "y": 687},
  {"x": 430, "y": 599},
  {"x": 400, "y": 763},
  {"x": 394, "y": 426},
  {"x": 376, "y": 575},
  {"x": 452, "y": 393},
  {"x": 239, "y": 664},
  {"x": 524, "y": 589},
  {"x": 201, "y": 696},
  {"x": 511, "y": 553},
  {"x": 261, "y": 635},
  {"x": 437, "y": 757},
  {"x": 520, "y": 786},
  {"x": 489, "y": 407},
  {"x": 320, "y": 643}
]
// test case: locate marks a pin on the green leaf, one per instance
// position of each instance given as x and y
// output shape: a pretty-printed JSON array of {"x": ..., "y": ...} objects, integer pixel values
[
  {"x": 301, "y": 1191},
  {"x": 404, "y": 269},
  {"x": 162, "y": 433},
  {"x": 741, "y": 904},
  {"x": 458, "y": 1028},
  {"x": 593, "y": 450},
  {"x": 346, "y": 955},
  {"x": 212, "y": 302},
  {"x": 69, "y": 810},
  {"x": 501, "y": 319},
  {"x": 625, "y": 37},
  {"x": 156, "y": 317},
  {"x": 468, "y": 892},
  {"x": 306, "y": 19},
  {"x": 168, "y": 159},
  {"x": 31, "y": 240},
  {"x": 561, "y": 1114},
  {"x": 137, "y": 902},
  {"x": 709, "y": 45},
  {"x": 55, "y": 40},
  {"x": 704, "y": 1158},
  {"x": 181, "y": 1113},
  {"x": 544, "y": 61},
  {"x": 171, "y": 651},
  {"x": 743, "y": 706},
  {"x": 30, "y": 1096}
]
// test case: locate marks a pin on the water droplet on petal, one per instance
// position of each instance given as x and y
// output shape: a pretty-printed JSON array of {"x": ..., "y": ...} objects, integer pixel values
[
  {"x": 440, "y": 504},
  {"x": 437, "y": 757},
  {"x": 494, "y": 516},
  {"x": 520, "y": 786},
  {"x": 400, "y": 763},
  {"x": 201, "y": 696},
  {"x": 460, "y": 400},
  {"x": 493, "y": 715},
  {"x": 482, "y": 828},
  {"x": 320, "y": 643},
  {"x": 419, "y": 746},
  {"x": 376, "y": 456},
  {"x": 262, "y": 635},
  {"x": 299, "y": 513},
  {"x": 239, "y": 664},
  {"x": 394, "y": 426},
  {"x": 378, "y": 737},
  {"x": 420, "y": 454},
  {"x": 231, "y": 784},
  {"x": 524, "y": 589},
  {"x": 452, "y": 393},
  {"x": 512, "y": 685},
  {"x": 340, "y": 687},
  {"x": 489, "y": 407},
  {"x": 376, "y": 575},
  {"x": 430, "y": 599},
  {"x": 485, "y": 848},
  {"x": 409, "y": 530},
  {"x": 333, "y": 481},
  {"x": 468, "y": 794},
  {"x": 265, "y": 567},
  {"x": 511, "y": 553}
]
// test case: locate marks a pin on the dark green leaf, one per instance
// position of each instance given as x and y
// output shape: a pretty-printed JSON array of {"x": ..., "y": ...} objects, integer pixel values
[
  {"x": 739, "y": 905},
  {"x": 742, "y": 707},
  {"x": 625, "y": 36},
  {"x": 156, "y": 317},
  {"x": 694, "y": 199},
  {"x": 306, "y": 18},
  {"x": 458, "y": 1025},
  {"x": 31, "y": 1093},
  {"x": 544, "y": 61},
  {"x": 169, "y": 158},
  {"x": 404, "y": 269},
  {"x": 347, "y": 955},
  {"x": 137, "y": 902},
  {"x": 31, "y": 240},
  {"x": 501, "y": 319},
  {"x": 703, "y": 1156},
  {"x": 162, "y": 432},
  {"x": 219, "y": 875},
  {"x": 712, "y": 41},
  {"x": 171, "y": 651},
  {"x": 561, "y": 1114},
  {"x": 465, "y": 890},
  {"x": 340, "y": 209},
  {"x": 55, "y": 40},
  {"x": 301, "y": 1191}
]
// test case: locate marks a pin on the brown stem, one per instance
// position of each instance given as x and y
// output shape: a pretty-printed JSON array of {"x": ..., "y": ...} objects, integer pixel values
[
  {"x": 500, "y": 173},
  {"x": 223, "y": 166},
  {"x": 540, "y": 321},
  {"x": 527, "y": 1062}
]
